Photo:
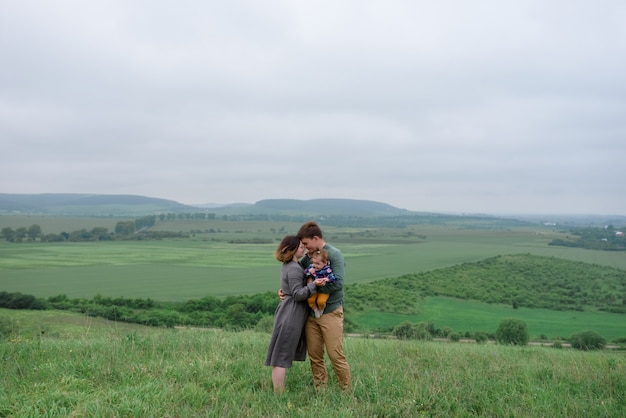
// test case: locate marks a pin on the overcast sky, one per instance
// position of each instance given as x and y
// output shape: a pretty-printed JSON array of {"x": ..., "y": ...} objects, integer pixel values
[{"x": 454, "y": 106}]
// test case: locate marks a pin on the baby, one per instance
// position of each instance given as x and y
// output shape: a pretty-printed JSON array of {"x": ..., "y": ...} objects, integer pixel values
[{"x": 319, "y": 269}]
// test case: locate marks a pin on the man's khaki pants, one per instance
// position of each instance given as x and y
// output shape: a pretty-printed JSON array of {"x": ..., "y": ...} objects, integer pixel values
[{"x": 327, "y": 331}]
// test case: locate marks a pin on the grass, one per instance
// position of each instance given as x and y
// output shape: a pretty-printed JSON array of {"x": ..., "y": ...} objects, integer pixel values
[
  {"x": 104, "y": 369},
  {"x": 183, "y": 269},
  {"x": 470, "y": 316},
  {"x": 207, "y": 264}
]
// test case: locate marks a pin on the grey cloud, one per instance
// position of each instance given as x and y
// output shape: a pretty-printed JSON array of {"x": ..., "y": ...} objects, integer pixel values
[{"x": 452, "y": 105}]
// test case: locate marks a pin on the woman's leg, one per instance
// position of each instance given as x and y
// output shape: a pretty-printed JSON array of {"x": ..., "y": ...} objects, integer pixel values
[{"x": 278, "y": 378}]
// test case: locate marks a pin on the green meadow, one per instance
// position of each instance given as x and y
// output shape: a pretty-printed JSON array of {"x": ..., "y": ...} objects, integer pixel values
[
  {"x": 68, "y": 365},
  {"x": 472, "y": 317},
  {"x": 218, "y": 265},
  {"x": 218, "y": 259}
]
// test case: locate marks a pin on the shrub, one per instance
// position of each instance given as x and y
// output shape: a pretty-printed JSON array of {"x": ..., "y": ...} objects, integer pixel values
[
  {"x": 265, "y": 324},
  {"x": 20, "y": 301},
  {"x": 403, "y": 331},
  {"x": 480, "y": 337},
  {"x": 512, "y": 331},
  {"x": 454, "y": 336},
  {"x": 445, "y": 331},
  {"x": 406, "y": 331},
  {"x": 587, "y": 340},
  {"x": 423, "y": 331}
]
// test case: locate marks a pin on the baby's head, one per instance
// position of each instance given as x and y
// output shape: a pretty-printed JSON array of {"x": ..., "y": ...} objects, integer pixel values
[{"x": 319, "y": 258}]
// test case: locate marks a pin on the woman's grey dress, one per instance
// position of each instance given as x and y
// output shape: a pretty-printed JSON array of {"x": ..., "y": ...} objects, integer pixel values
[{"x": 288, "y": 343}]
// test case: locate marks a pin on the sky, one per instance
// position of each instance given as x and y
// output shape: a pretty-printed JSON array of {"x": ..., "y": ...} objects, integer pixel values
[{"x": 450, "y": 106}]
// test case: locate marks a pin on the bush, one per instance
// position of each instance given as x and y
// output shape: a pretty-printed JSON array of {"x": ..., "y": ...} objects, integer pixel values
[
  {"x": 265, "y": 324},
  {"x": 587, "y": 340},
  {"x": 423, "y": 331},
  {"x": 512, "y": 331},
  {"x": 403, "y": 331},
  {"x": 480, "y": 337},
  {"x": 406, "y": 331},
  {"x": 20, "y": 301},
  {"x": 455, "y": 336},
  {"x": 445, "y": 332}
]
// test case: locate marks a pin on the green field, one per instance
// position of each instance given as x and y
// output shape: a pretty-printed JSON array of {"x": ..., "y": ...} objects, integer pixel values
[
  {"x": 217, "y": 263},
  {"x": 209, "y": 264},
  {"x": 181, "y": 269},
  {"x": 471, "y": 316}
]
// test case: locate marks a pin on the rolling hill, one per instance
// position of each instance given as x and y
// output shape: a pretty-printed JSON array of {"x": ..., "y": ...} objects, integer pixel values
[
  {"x": 88, "y": 204},
  {"x": 133, "y": 205},
  {"x": 315, "y": 207}
]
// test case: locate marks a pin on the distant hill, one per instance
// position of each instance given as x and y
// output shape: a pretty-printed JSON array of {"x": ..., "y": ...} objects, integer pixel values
[
  {"x": 88, "y": 204},
  {"x": 315, "y": 207},
  {"x": 132, "y": 205}
]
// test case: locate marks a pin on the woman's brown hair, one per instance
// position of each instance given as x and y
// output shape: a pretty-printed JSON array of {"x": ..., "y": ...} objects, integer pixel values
[{"x": 287, "y": 248}]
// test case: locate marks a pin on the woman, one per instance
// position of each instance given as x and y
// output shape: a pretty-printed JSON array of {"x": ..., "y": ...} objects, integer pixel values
[{"x": 288, "y": 341}]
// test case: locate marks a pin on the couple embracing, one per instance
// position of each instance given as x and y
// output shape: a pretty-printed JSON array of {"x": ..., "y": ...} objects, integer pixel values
[{"x": 299, "y": 328}]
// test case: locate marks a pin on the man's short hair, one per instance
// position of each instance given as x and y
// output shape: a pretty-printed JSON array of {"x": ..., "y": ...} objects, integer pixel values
[{"x": 309, "y": 230}]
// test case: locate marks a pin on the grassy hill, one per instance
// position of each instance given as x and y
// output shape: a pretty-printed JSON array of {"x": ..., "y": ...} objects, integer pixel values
[
  {"x": 520, "y": 280},
  {"x": 87, "y": 204},
  {"x": 555, "y": 297},
  {"x": 60, "y": 365}
]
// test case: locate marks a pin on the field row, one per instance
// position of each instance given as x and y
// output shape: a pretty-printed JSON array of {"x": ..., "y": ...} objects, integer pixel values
[{"x": 210, "y": 264}]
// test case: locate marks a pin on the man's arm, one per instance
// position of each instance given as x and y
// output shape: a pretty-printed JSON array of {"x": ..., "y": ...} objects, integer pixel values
[{"x": 338, "y": 264}]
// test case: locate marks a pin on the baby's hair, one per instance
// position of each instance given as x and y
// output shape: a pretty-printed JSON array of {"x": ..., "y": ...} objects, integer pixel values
[{"x": 322, "y": 254}]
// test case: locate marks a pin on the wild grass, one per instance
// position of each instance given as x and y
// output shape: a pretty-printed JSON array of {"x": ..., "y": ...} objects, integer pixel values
[{"x": 102, "y": 369}]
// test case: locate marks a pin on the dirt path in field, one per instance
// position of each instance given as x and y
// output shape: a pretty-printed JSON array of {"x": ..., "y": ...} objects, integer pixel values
[{"x": 470, "y": 341}]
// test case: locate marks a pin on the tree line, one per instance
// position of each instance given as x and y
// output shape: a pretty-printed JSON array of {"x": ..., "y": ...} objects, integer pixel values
[
  {"x": 137, "y": 229},
  {"x": 253, "y": 312},
  {"x": 608, "y": 238},
  {"x": 232, "y": 312}
]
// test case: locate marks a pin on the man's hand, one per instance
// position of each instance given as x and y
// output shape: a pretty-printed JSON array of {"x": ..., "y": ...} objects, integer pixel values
[{"x": 281, "y": 295}]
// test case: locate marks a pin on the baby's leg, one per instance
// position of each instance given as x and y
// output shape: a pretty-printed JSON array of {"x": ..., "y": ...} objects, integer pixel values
[
  {"x": 321, "y": 301},
  {"x": 312, "y": 301}
]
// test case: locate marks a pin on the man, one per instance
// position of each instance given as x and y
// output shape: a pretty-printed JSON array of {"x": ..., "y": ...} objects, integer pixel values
[{"x": 327, "y": 330}]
